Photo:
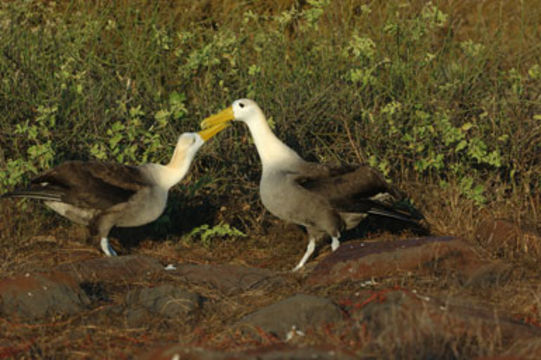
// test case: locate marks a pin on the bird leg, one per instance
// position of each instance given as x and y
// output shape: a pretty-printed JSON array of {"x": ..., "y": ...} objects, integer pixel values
[
  {"x": 99, "y": 228},
  {"x": 106, "y": 247},
  {"x": 309, "y": 251},
  {"x": 335, "y": 243}
]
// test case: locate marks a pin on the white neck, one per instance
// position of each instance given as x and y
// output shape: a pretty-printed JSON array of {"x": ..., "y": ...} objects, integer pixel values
[
  {"x": 271, "y": 150},
  {"x": 167, "y": 176}
]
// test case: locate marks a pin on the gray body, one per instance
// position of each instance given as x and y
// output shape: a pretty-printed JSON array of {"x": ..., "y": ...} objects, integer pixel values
[
  {"x": 327, "y": 199},
  {"x": 323, "y": 198},
  {"x": 287, "y": 199}
]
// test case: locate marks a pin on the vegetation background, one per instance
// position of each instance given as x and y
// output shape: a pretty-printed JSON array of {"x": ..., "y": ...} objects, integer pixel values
[{"x": 444, "y": 97}]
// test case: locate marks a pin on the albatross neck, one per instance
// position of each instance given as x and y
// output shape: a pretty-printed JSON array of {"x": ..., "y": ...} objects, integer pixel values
[
  {"x": 271, "y": 150},
  {"x": 176, "y": 169}
]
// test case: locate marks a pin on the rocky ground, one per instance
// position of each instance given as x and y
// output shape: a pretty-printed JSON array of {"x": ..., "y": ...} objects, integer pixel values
[{"x": 381, "y": 297}]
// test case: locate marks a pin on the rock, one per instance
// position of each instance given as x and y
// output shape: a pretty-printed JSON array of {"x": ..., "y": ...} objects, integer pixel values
[
  {"x": 287, "y": 353},
  {"x": 165, "y": 300},
  {"x": 432, "y": 325},
  {"x": 522, "y": 349},
  {"x": 114, "y": 268},
  {"x": 299, "y": 311},
  {"x": 180, "y": 351},
  {"x": 228, "y": 278},
  {"x": 508, "y": 357},
  {"x": 362, "y": 261},
  {"x": 33, "y": 297},
  {"x": 490, "y": 275},
  {"x": 275, "y": 352},
  {"x": 107, "y": 315},
  {"x": 508, "y": 238}
]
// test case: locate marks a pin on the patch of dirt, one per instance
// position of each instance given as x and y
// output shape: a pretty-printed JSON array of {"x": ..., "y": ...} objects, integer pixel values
[{"x": 384, "y": 296}]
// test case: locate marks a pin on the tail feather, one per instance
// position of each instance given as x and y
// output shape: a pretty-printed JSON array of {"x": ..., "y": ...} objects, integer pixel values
[
  {"x": 393, "y": 214},
  {"x": 32, "y": 194}
]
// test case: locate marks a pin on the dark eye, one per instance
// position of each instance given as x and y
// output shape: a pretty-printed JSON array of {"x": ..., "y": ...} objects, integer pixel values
[{"x": 241, "y": 105}]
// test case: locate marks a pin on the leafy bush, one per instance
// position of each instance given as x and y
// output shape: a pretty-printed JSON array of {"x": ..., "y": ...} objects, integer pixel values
[
  {"x": 208, "y": 233},
  {"x": 406, "y": 87}
]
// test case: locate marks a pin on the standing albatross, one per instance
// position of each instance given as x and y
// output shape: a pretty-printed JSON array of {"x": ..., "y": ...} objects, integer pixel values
[
  {"x": 102, "y": 195},
  {"x": 325, "y": 199}
]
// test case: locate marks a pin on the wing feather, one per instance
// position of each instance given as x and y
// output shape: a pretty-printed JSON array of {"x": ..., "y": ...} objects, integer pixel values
[
  {"x": 354, "y": 189},
  {"x": 90, "y": 184},
  {"x": 342, "y": 183}
]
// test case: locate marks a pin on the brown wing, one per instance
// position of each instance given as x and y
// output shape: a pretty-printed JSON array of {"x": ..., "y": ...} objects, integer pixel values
[
  {"x": 349, "y": 188},
  {"x": 311, "y": 171},
  {"x": 90, "y": 184}
]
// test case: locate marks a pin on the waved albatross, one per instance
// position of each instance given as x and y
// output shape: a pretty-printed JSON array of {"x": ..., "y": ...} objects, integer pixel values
[
  {"x": 102, "y": 195},
  {"x": 325, "y": 199}
]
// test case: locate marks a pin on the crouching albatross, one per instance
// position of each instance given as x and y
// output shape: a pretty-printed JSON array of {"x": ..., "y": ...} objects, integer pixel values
[
  {"x": 325, "y": 199},
  {"x": 102, "y": 195}
]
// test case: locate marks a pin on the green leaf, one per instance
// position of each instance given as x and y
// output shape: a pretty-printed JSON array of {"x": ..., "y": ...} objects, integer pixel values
[
  {"x": 467, "y": 126},
  {"x": 461, "y": 145}
]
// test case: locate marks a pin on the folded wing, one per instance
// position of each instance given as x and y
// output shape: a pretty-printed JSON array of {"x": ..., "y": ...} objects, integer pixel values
[
  {"x": 97, "y": 185},
  {"x": 353, "y": 189}
]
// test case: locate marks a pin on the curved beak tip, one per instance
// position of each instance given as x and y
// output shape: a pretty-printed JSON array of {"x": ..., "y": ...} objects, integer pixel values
[
  {"x": 211, "y": 131},
  {"x": 223, "y": 117}
]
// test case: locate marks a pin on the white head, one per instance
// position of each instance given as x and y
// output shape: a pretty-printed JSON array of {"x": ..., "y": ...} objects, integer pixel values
[
  {"x": 244, "y": 110},
  {"x": 189, "y": 143},
  {"x": 271, "y": 150}
]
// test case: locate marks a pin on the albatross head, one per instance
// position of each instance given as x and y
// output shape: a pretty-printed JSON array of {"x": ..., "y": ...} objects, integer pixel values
[
  {"x": 189, "y": 142},
  {"x": 244, "y": 110},
  {"x": 271, "y": 150}
]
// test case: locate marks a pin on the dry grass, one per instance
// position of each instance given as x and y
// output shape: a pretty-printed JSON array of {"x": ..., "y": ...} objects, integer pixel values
[{"x": 302, "y": 84}]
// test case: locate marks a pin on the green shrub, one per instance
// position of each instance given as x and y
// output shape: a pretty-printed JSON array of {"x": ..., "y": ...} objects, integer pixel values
[{"x": 402, "y": 86}]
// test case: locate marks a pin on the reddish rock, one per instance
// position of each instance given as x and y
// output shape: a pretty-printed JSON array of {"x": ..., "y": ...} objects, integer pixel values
[
  {"x": 367, "y": 260},
  {"x": 228, "y": 278},
  {"x": 490, "y": 275},
  {"x": 508, "y": 238},
  {"x": 32, "y": 297},
  {"x": 131, "y": 267},
  {"x": 299, "y": 312}
]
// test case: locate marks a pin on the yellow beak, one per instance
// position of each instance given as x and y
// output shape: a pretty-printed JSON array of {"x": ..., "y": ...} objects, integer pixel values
[
  {"x": 223, "y": 117},
  {"x": 209, "y": 132}
]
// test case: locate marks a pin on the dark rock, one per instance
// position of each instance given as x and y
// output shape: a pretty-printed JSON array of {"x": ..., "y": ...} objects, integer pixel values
[
  {"x": 138, "y": 317},
  {"x": 228, "y": 278},
  {"x": 361, "y": 261},
  {"x": 108, "y": 315},
  {"x": 113, "y": 268},
  {"x": 432, "y": 325},
  {"x": 299, "y": 311},
  {"x": 275, "y": 352},
  {"x": 508, "y": 357},
  {"x": 32, "y": 297},
  {"x": 284, "y": 352},
  {"x": 529, "y": 348},
  {"x": 180, "y": 351},
  {"x": 167, "y": 301},
  {"x": 95, "y": 291}
]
